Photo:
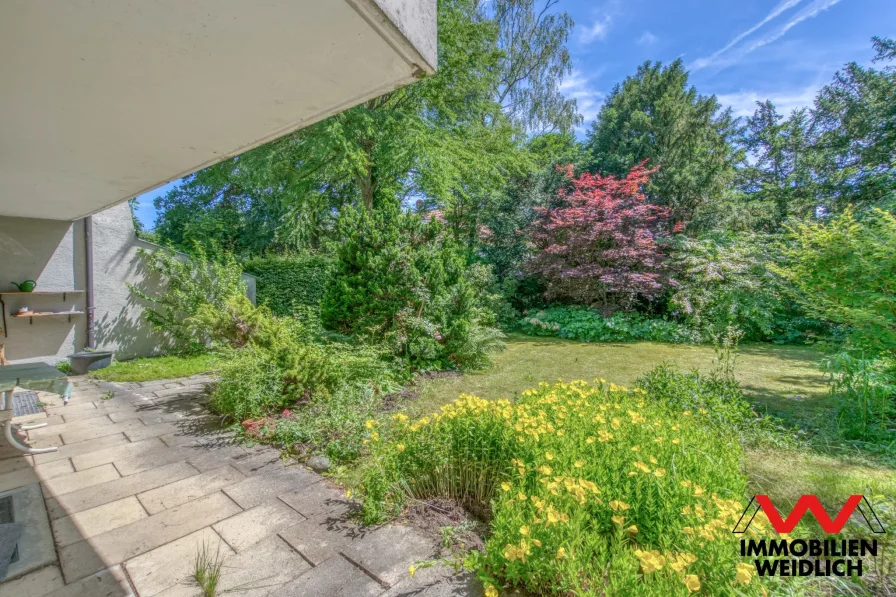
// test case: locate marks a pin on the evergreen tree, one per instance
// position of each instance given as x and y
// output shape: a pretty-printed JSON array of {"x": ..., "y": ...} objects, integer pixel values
[{"x": 654, "y": 116}]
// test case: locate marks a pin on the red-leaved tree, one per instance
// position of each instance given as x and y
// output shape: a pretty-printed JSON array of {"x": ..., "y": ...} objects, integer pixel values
[{"x": 599, "y": 247}]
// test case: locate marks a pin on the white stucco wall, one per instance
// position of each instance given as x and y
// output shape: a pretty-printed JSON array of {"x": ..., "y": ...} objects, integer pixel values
[{"x": 53, "y": 254}]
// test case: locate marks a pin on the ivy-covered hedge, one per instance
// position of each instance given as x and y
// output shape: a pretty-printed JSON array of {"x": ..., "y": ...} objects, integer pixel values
[{"x": 285, "y": 283}]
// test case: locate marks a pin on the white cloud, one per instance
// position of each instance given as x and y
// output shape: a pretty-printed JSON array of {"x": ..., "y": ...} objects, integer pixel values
[
  {"x": 648, "y": 39},
  {"x": 724, "y": 56},
  {"x": 588, "y": 99},
  {"x": 743, "y": 103},
  {"x": 596, "y": 31},
  {"x": 775, "y": 12}
]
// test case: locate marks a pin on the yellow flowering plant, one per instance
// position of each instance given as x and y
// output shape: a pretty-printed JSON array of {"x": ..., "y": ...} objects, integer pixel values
[{"x": 584, "y": 498}]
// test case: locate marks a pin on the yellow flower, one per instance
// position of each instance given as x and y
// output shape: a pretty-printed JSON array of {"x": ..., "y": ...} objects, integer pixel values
[
  {"x": 619, "y": 520},
  {"x": 651, "y": 561},
  {"x": 374, "y": 436},
  {"x": 660, "y": 472},
  {"x": 632, "y": 474},
  {"x": 703, "y": 411},
  {"x": 604, "y": 436},
  {"x": 399, "y": 447},
  {"x": 548, "y": 455},
  {"x": 524, "y": 530},
  {"x": 653, "y": 460},
  {"x": 505, "y": 486},
  {"x": 545, "y": 469},
  {"x": 635, "y": 448},
  {"x": 401, "y": 418},
  {"x": 521, "y": 496},
  {"x": 369, "y": 423},
  {"x": 618, "y": 505},
  {"x": 536, "y": 542},
  {"x": 676, "y": 441},
  {"x": 632, "y": 530},
  {"x": 686, "y": 413},
  {"x": 590, "y": 440},
  {"x": 579, "y": 463},
  {"x": 692, "y": 583},
  {"x": 616, "y": 423},
  {"x": 412, "y": 570},
  {"x": 348, "y": 493},
  {"x": 642, "y": 467},
  {"x": 744, "y": 573},
  {"x": 561, "y": 553},
  {"x": 491, "y": 592}
]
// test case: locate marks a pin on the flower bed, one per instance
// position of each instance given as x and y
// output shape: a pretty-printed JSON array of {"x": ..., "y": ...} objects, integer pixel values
[{"x": 594, "y": 489}]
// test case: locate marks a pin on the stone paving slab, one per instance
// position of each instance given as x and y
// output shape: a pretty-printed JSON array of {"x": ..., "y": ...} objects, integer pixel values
[
  {"x": 318, "y": 498},
  {"x": 171, "y": 565},
  {"x": 111, "y": 582},
  {"x": 80, "y": 480},
  {"x": 262, "y": 569},
  {"x": 120, "y": 452},
  {"x": 86, "y": 557},
  {"x": 191, "y": 488},
  {"x": 72, "y": 427},
  {"x": 91, "y": 497},
  {"x": 321, "y": 538},
  {"x": 71, "y": 450},
  {"x": 337, "y": 577},
  {"x": 95, "y": 432},
  {"x": 251, "y": 526},
  {"x": 54, "y": 469},
  {"x": 34, "y": 584},
  {"x": 258, "y": 489},
  {"x": 437, "y": 581},
  {"x": 95, "y": 521},
  {"x": 387, "y": 553}
]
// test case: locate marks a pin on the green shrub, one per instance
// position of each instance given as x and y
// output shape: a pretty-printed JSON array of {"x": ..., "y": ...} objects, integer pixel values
[
  {"x": 594, "y": 489},
  {"x": 402, "y": 282},
  {"x": 287, "y": 283},
  {"x": 587, "y": 325},
  {"x": 190, "y": 283}
]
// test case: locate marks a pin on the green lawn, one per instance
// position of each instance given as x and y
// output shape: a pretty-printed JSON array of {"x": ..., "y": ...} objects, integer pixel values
[
  {"x": 772, "y": 376},
  {"x": 167, "y": 367}
]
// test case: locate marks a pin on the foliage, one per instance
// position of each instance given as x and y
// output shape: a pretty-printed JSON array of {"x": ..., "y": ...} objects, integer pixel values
[
  {"x": 866, "y": 389},
  {"x": 654, "y": 116},
  {"x": 207, "y": 567},
  {"x": 402, "y": 281},
  {"x": 854, "y": 130},
  {"x": 724, "y": 280},
  {"x": 587, "y": 325},
  {"x": 594, "y": 489},
  {"x": 285, "y": 283},
  {"x": 163, "y": 367},
  {"x": 845, "y": 271},
  {"x": 189, "y": 283},
  {"x": 776, "y": 179},
  {"x": 232, "y": 325},
  {"x": 601, "y": 244}
]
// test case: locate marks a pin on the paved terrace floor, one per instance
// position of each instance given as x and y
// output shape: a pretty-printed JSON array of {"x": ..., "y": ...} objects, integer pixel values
[{"x": 144, "y": 478}]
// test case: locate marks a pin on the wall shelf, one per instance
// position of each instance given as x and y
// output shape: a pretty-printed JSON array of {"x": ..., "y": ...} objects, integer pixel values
[{"x": 63, "y": 293}]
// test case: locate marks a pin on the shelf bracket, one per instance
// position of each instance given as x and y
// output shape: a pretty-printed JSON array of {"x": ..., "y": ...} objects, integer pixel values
[{"x": 3, "y": 308}]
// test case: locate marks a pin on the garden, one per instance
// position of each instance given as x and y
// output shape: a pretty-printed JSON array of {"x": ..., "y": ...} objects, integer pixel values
[{"x": 599, "y": 349}]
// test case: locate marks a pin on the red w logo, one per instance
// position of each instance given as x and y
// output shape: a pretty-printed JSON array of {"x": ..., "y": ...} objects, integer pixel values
[{"x": 804, "y": 504}]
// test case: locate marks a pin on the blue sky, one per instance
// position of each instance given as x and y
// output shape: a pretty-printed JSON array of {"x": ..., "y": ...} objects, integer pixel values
[{"x": 741, "y": 51}]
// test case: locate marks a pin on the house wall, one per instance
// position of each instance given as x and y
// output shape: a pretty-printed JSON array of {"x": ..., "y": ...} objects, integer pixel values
[{"x": 53, "y": 254}]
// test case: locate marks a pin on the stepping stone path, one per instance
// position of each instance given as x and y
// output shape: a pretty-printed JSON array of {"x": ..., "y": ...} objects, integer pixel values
[{"x": 145, "y": 478}]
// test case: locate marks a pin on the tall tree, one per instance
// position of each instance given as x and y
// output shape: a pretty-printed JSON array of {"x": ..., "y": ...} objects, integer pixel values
[
  {"x": 655, "y": 116},
  {"x": 855, "y": 132},
  {"x": 776, "y": 175},
  {"x": 447, "y": 139}
]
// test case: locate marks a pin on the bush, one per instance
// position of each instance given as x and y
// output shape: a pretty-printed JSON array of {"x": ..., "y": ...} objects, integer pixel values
[
  {"x": 587, "y": 325},
  {"x": 403, "y": 282},
  {"x": 190, "y": 284},
  {"x": 287, "y": 283},
  {"x": 594, "y": 489}
]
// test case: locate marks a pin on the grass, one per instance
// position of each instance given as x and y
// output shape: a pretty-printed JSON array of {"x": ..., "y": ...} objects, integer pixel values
[
  {"x": 772, "y": 376},
  {"x": 167, "y": 367},
  {"x": 207, "y": 569}
]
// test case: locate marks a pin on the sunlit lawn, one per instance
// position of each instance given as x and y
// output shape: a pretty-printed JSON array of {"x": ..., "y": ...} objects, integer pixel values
[
  {"x": 167, "y": 367},
  {"x": 782, "y": 380}
]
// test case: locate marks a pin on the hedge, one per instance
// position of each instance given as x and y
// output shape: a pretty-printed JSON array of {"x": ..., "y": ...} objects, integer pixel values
[{"x": 284, "y": 283}]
